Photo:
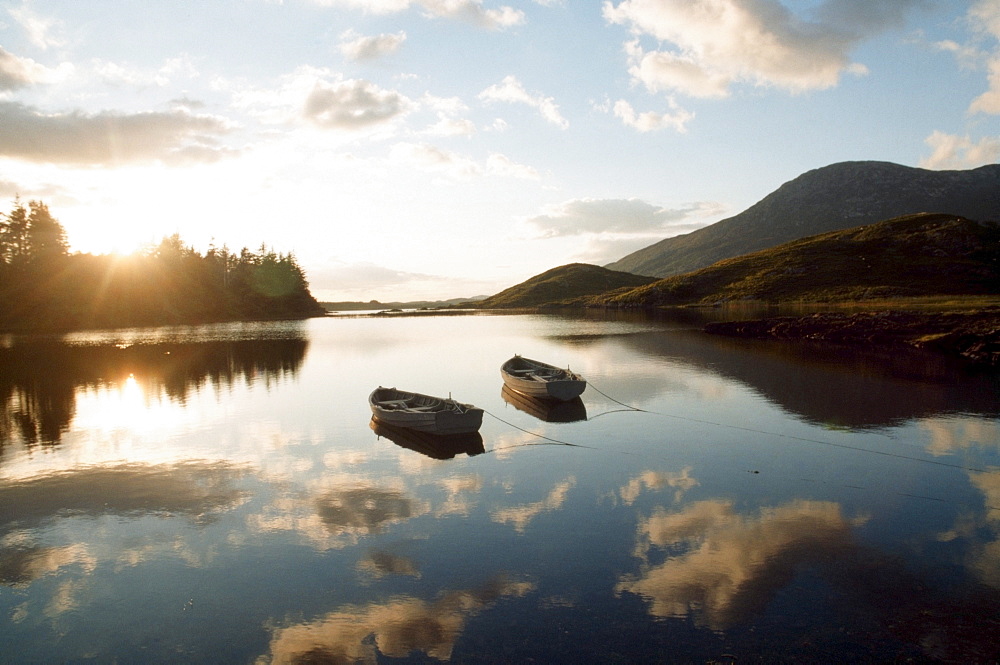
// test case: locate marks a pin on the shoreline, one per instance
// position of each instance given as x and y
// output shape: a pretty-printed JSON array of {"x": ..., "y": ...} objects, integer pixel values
[{"x": 971, "y": 335}]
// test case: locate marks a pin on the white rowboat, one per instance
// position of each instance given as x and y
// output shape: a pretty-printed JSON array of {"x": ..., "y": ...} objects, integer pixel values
[
  {"x": 424, "y": 413},
  {"x": 540, "y": 380}
]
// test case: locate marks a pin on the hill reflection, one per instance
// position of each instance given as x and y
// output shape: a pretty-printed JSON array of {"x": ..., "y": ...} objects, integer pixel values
[
  {"x": 40, "y": 381},
  {"x": 836, "y": 386}
]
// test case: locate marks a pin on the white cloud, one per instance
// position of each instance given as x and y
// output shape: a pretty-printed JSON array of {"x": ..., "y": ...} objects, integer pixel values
[
  {"x": 18, "y": 72},
  {"x": 621, "y": 216},
  {"x": 471, "y": 11},
  {"x": 431, "y": 158},
  {"x": 985, "y": 15},
  {"x": 448, "y": 123},
  {"x": 989, "y": 101},
  {"x": 717, "y": 43},
  {"x": 43, "y": 32},
  {"x": 109, "y": 139},
  {"x": 960, "y": 152},
  {"x": 352, "y": 104},
  {"x": 361, "y": 47},
  {"x": 511, "y": 91},
  {"x": 650, "y": 121},
  {"x": 365, "y": 281},
  {"x": 501, "y": 165}
]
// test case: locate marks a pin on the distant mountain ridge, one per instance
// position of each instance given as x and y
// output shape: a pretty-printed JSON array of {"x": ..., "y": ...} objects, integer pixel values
[
  {"x": 911, "y": 256},
  {"x": 831, "y": 198},
  {"x": 575, "y": 280}
]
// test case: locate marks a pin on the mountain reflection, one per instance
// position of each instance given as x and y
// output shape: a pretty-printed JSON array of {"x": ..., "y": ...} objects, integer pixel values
[
  {"x": 724, "y": 566},
  {"x": 39, "y": 381},
  {"x": 394, "y": 629},
  {"x": 841, "y": 387}
]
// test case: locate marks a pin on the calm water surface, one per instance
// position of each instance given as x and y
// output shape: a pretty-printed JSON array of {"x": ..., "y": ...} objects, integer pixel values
[{"x": 218, "y": 494}]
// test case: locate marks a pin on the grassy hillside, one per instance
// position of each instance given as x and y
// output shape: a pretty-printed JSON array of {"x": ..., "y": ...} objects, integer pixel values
[
  {"x": 564, "y": 283},
  {"x": 832, "y": 198},
  {"x": 915, "y": 255}
]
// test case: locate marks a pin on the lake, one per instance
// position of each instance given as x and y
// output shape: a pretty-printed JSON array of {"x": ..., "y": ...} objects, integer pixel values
[{"x": 218, "y": 494}]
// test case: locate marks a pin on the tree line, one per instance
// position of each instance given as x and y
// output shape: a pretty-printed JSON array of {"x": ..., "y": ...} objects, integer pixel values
[{"x": 44, "y": 286}]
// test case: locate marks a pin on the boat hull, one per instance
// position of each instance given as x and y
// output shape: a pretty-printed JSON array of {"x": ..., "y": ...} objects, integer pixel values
[
  {"x": 424, "y": 413},
  {"x": 541, "y": 380}
]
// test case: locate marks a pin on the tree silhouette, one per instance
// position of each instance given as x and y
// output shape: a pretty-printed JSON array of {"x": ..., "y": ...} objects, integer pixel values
[{"x": 42, "y": 286}]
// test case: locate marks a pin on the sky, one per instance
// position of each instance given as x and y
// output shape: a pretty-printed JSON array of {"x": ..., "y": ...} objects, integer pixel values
[{"x": 437, "y": 149}]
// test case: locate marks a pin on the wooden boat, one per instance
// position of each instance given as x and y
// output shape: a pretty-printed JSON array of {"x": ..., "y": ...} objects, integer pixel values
[
  {"x": 437, "y": 446},
  {"x": 548, "y": 410},
  {"x": 540, "y": 380},
  {"x": 424, "y": 413}
]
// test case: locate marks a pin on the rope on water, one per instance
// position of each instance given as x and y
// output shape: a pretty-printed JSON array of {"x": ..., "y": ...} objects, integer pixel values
[
  {"x": 791, "y": 436},
  {"x": 549, "y": 440}
]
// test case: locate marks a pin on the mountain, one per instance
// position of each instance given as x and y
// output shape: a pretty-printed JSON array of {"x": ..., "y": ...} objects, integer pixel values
[
  {"x": 926, "y": 254},
  {"x": 831, "y": 198},
  {"x": 567, "y": 282}
]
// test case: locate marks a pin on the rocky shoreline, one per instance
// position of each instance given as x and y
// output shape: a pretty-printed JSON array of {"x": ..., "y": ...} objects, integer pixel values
[{"x": 972, "y": 335}]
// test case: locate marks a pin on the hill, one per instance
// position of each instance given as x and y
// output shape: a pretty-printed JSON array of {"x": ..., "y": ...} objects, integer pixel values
[
  {"x": 573, "y": 281},
  {"x": 915, "y": 255},
  {"x": 357, "y": 305},
  {"x": 835, "y": 197}
]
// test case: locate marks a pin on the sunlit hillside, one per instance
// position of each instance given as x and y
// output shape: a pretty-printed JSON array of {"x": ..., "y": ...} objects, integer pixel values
[{"x": 916, "y": 255}]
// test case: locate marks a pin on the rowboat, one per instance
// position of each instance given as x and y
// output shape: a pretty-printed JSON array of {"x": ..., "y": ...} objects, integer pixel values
[
  {"x": 436, "y": 446},
  {"x": 540, "y": 380},
  {"x": 424, "y": 413}
]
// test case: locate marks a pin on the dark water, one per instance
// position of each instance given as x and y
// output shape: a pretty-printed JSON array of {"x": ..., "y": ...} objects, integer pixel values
[{"x": 218, "y": 495}]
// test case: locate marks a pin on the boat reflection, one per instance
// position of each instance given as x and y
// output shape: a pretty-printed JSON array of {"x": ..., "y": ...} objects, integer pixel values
[
  {"x": 547, "y": 410},
  {"x": 436, "y": 446}
]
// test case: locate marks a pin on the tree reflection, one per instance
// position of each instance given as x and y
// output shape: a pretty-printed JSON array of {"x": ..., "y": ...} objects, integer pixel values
[{"x": 40, "y": 381}]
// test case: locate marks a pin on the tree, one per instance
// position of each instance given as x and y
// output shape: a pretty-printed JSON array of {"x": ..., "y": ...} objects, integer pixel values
[
  {"x": 46, "y": 237},
  {"x": 14, "y": 234}
]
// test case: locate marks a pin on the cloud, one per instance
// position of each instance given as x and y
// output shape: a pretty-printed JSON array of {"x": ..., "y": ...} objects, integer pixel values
[
  {"x": 950, "y": 151},
  {"x": 471, "y": 11},
  {"x": 511, "y": 91},
  {"x": 42, "y": 32},
  {"x": 364, "y": 278},
  {"x": 109, "y": 139},
  {"x": 650, "y": 121},
  {"x": 431, "y": 158},
  {"x": 361, "y": 47},
  {"x": 18, "y": 72},
  {"x": 352, "y": 104},
  {"x": 718, "y": 43},
  {"x": 626, "y": 216},
  {"x": 448, "y": 110},
  {"x": 989, "y": 101}
]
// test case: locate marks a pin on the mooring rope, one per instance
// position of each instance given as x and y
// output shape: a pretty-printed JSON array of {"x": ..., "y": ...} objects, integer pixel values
[
  {"x": 790, "y": 436},
  {"x": 550, "y": 440}
]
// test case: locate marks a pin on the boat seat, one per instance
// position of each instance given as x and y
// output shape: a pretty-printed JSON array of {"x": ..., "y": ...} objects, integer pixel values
[{"x": 393, "y": 404}]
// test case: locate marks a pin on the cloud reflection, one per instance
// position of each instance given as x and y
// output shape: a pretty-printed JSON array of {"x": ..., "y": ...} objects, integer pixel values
[
  {"x": 730, "y": 564},
  {"x": 521, "y": 516},
  {"x": 20, "y": 566},
  {"x": 195, "y": 490},
  {"x": 681, "y": 481},
  {"x": 396, "y": 628}
]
